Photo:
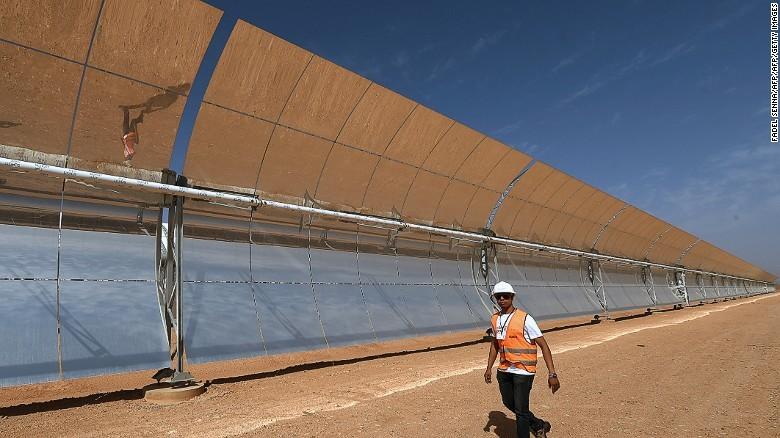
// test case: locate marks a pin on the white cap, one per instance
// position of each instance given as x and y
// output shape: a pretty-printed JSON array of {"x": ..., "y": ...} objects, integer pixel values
[{"x": 502, "y": 287}]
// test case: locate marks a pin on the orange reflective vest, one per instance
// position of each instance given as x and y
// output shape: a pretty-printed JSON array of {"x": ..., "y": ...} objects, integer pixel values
[{"x": 514, "y": 349}]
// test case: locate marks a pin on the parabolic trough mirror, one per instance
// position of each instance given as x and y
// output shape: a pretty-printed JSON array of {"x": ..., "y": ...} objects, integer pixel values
[{"x": 315, "y": 208}]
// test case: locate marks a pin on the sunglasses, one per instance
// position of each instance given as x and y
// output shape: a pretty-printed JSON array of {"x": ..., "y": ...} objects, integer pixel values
[{"x": 504, "y": 296}]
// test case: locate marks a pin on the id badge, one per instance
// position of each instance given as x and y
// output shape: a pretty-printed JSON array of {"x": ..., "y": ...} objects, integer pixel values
[{"x": 501, "y": 334}]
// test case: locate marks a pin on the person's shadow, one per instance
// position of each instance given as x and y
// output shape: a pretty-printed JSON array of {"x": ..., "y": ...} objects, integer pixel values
[
  {"x": 504, "y": 426},
  {"x": 162, "y": 100}
]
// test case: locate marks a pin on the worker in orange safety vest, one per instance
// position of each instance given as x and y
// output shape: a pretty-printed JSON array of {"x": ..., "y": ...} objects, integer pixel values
[{"x": 516, "y": 339}]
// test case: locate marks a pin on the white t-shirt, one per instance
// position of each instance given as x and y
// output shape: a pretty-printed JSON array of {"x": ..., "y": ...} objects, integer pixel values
[{"x": 531, "y": 331}]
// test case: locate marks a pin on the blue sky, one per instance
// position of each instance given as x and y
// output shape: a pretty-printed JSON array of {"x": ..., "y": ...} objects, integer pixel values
[{"x": 664, "y": 104}]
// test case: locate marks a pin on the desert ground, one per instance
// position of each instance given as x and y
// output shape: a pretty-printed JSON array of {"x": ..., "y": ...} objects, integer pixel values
[{"x": 705, "y": 371}]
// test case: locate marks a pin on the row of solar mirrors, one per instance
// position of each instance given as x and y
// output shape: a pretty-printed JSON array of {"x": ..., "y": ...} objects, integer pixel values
[{"x": 257, "y": 286}]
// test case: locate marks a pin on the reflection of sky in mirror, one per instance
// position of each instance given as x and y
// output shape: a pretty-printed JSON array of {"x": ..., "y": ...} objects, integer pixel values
[
  {"x": 28, "y": 346},
  {"x": 110, "y": 327}
]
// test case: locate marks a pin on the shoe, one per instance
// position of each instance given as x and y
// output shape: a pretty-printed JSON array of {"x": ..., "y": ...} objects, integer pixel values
[{"x": 542, "y": 433}]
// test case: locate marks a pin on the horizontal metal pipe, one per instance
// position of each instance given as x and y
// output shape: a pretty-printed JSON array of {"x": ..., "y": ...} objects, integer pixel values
[
  {"x": 142, "y": 185},
  {"x": 254, "y": 201}
]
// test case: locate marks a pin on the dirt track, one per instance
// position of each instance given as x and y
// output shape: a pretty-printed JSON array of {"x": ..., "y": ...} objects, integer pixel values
[{"x": 705, "y": 371}]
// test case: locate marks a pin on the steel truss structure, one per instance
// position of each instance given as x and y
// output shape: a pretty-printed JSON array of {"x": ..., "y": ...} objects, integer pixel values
[
  {"x": 257, "y": 202},
  {"x": 647, "y": 279},
  {"x": 168, "y": 276},
  {"x": 169, "y": 240}
]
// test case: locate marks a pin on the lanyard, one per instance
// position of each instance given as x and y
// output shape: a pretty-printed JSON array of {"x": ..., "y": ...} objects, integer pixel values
[{"x": 503, "y": 327}]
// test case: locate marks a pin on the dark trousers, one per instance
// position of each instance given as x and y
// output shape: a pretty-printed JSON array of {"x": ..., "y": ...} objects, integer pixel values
[{"x": 515, "y": 392}]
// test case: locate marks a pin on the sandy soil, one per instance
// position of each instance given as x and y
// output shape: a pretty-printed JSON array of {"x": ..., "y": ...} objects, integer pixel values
[{"x": 704, "y": 371}]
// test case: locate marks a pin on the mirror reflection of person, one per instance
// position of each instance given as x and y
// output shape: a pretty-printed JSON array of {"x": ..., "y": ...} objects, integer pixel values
[
  {"x": 516, "y": 338},
  {"x": 161, "y": 101},
  {"x": 130, "y": 137}
]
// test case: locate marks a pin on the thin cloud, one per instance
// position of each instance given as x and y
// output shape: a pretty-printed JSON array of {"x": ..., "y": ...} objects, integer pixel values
[
  {"x": 481, "y": 44},
  {"x": 636, "y": 62},
  {"x": 731, "y": 197},
  {"x": 532, "y": 149},
  {"x": 401, "y": 59},
  {"x": 743, "y": 154},
  {"x": 763, "y": 111},
  {"x": 672, "y": 53},
  {"x": 640, "y": 61},
  {"x": 708, "y": 82},
  {"x": 441, "y": 67},
  {"x": 486, "y": 41},
  {"x": 510, "y": 128},
  {"x": 620, "y": 191},
  {"x": 587, "y": 90},
  {"x": 427, "y": 48},
  {"x": 602, "y": 78},
  {"x": 655, "y": 173},
  {"x": 565, "y": 62},
  {"x": 730, "y": 18}
]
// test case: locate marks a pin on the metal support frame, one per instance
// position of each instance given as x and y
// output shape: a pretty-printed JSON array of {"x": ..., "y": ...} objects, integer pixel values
[
  {"x": 168, "y": 275},
  {"x": 483, "y": 271},
  {"x": 596, "y": 277},
  {"x": 254, "y": 201},
  {"x": 647, "y": 280},
  {"x": 680, "y": 288},
  {"x": 606, "y": 225},
  {"x": 484, "y": 263},
  {"x": 715, "y": 282},
  {"x": 505, "y": 193},
  {"x": 700, "y": 284}
]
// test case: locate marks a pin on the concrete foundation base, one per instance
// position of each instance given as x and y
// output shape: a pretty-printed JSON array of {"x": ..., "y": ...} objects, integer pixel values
[{"x": 165, "y": 394}]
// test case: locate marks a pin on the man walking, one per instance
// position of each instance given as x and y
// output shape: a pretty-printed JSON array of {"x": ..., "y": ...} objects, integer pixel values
[{"x": 516, "y": 338}]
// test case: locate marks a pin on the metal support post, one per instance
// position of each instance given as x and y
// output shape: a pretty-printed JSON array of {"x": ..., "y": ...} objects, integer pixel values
[
  {"x": 679, "y": 287},
  {"x": 596, "y": 277},
  {"x": 163, "y": 271},
  {"x": 717, "y": 289},
  {"x": 481, "y": 273},
  {"x": 647, "y": 280},
  {"x": 700, "y": 285},
  {"x": 161, "y": 274},
  {"x": 168, "y": 271},
  {"x": 600, "y": 285},
  {"x": 180, "y": 376}
]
